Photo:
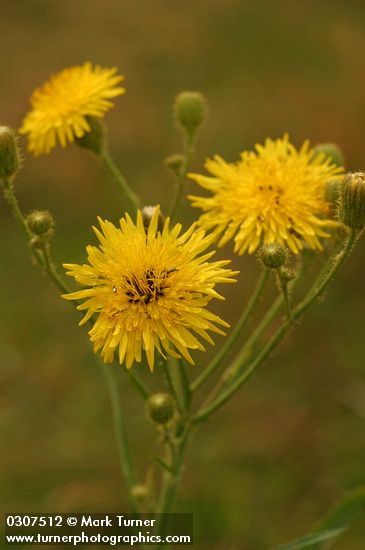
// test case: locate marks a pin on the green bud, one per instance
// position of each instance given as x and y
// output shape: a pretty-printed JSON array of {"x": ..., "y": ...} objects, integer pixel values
[
  {"x": 9, "y": 153},
  {"x": 147, "y": 215},
  {"x": 40, "y": 222},
  {"x": 174, "y": 163},
  {"x": 95, "y": 139},
  {"x": 161, "y": 407},
  {"x": 330, "y": 150},
  {"x": 190, "y": 109},
  {"x": 273, "y": 255},
  {"x": 351, "y": 211}
]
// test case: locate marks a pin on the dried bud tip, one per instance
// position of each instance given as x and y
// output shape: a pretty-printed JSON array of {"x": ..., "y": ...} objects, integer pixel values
[
  {"x": 351, "y": 210},
  {"x": 9, "y": 153},
  {"x": 147, "y": 215},
  {"x": 332, "y": 151},
  {"x": 190, "y": 110},
  {"x": 40, "y": 222},
  {"x": 273, "y": 255},
  {"x": 94, "y": 140},
  {"x": 161, "y": 407}
]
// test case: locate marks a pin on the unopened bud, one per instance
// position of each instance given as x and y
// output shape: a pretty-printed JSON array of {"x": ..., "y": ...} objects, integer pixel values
[
  {"x": 351, "y": 210},
  {"x": 147, "y": 215},
  {"x": 190, "y": 110},
  {"x": 161, "y": 407},
  {"x": 40, "y": 222},
  {"x": 94, "y": 140},
  {"x": 174, "y": 163},
  {"x": 273, "y": 255},
  {"x": 9, "y": 153},
  {"x": 332, "y": 151}
]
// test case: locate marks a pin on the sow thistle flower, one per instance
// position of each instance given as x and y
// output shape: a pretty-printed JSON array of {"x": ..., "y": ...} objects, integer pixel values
[
  {"x": 273, "y": 194},
  {"x": 149, "y": 290},
  {"x": 61, "y": 106}
]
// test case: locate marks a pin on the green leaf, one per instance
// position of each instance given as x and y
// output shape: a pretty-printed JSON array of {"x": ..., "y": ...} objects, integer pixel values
[{"x": 311, "y": 538}]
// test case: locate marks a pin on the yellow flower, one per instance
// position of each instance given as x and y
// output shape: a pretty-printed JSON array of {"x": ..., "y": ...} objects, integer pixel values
[
  {"x": 149, "y": 290},
  {"x": 273, "y": 194},
  {"x": 61, "y": 105}
]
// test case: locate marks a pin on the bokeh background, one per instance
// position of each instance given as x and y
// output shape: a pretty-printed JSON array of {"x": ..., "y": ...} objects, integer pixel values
[{"x": 269, "y": 465}]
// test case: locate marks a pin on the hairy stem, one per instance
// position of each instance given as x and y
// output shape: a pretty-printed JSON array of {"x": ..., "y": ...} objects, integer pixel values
[
  {"x": 283, "y": 285},
  {"x": 180, "y": 188},
  {"x": 120, "y": 435}
]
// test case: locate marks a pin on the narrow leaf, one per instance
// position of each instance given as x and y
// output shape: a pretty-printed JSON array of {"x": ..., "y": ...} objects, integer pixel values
[
  {"x": 347, "y": 509},
  {"x": 163, "y": 464},
  {"x": 311, "y": 538}
]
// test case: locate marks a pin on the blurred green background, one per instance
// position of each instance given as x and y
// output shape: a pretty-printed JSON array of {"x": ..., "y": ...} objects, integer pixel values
[{"x": 269, "y": 465}]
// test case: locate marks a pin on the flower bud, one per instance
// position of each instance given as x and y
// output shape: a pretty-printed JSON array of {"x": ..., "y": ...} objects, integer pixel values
[
  {"x": 351, "y": 210},
  {"x": 174, "y": 163},
  {"x": 161, "y": 407},
  {"x": 273, "y": 255},
  {"x": 330, "y": 150},
  {"x": 332, "y": 192},
  {"x": 139, "y": 492},
  {"x": 40, "y": 222},
  {"x": 95, "y": 139},
  {"x": 190, "y": 110},
  {"x": 9, "y": 153},
  {"x": 147, "y": 215}
]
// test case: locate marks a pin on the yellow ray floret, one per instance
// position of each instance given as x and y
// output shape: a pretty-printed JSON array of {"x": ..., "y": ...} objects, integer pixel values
[
  {"x": 148, "y": 289},
  {"x": 61, "y": 105},
  {"x": 273, "y": 194}
]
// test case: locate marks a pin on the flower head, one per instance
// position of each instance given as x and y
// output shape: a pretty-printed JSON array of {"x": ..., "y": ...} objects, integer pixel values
[
  {"x": 273, "y": 194},
  {"x": 148, "y": 290},
  {"x": 61, "y": 106}
]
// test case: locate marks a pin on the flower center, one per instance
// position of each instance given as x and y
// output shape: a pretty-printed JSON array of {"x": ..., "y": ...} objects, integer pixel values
[{"x": 147, "y": 287}]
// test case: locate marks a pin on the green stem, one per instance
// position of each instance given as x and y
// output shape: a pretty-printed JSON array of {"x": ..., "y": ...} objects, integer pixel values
[
  {"x": 180, "y": 188},
  {"x": 121, "y": 435},
  {"x": 131, "y": 198},
  {"x": 139, "y": 384},
  {"x": 235, "y": 333},
  {"x": 171, "y": 478},
  {"x": 317, "y": 290},
  {"x": 52, "y": 271},
  {"x": 283, "y": 284},
  {"x": 12, "y": 201}
]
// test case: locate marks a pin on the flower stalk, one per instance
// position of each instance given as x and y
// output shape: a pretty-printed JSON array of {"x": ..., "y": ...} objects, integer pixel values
[{"x": 190, "y": 141}]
